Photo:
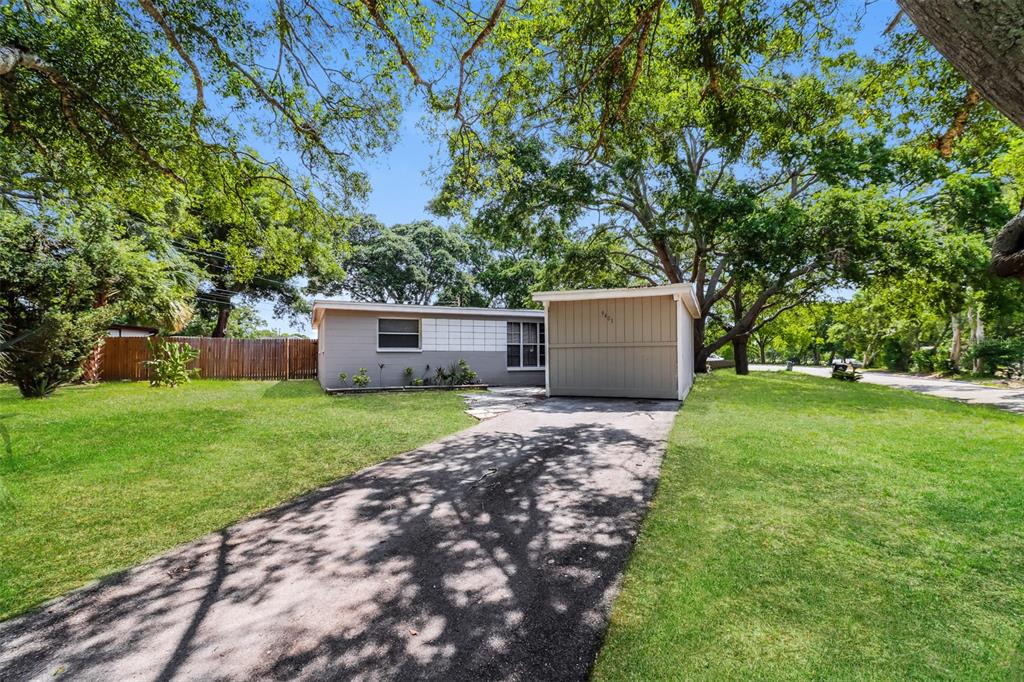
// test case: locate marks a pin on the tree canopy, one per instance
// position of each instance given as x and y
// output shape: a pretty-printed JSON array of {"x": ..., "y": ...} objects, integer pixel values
[{"x": 216, "y": 149}]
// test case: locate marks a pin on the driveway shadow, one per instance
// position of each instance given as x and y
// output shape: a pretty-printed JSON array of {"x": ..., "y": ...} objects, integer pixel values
[{"x": 493, "y": 554}]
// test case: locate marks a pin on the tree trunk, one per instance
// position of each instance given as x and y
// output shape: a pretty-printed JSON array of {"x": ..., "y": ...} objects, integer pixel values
[
  {"x": 221, "y": 328},
  {"x": 983, "y": 40},
  {"x": 93, "y": 364},
  {"x": 760, "y": 352},
  {"x": 700, "y": 353},
  {"x": 956, "y": 347},
  {"x": 977, "y": 334},
  {"x": 739, "y": 352},
  {"x": 1008, "y": 249}
]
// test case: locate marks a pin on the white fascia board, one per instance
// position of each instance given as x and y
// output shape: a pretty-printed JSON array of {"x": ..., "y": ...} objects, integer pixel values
[
  {"x": 683, "y": 289},
  {"x": 319, "y": 306}
]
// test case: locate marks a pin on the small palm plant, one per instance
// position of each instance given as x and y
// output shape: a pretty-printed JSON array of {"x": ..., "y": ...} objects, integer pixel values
[{"x": 168, "y": 363}]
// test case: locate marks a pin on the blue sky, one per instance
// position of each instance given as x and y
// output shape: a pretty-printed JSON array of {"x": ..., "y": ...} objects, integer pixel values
[{"x": 399, "y": 179}]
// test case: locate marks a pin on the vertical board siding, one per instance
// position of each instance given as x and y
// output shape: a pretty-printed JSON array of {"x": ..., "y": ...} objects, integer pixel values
[
  {"x": 123, "y": 358},
  {"x": 614, "y": 347}
]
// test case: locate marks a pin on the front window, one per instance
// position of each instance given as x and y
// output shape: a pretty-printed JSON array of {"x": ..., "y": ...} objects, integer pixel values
[
  {"x": 525, "y": 344},
  {"x": 393, "y": 334}
]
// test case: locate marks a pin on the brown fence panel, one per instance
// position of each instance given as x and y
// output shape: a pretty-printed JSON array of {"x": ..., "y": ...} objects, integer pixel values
[
  {"x": 122, "y": 358},
  {"x": 302, "y": 358}
]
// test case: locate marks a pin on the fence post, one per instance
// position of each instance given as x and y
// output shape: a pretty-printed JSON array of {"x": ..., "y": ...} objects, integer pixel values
[{"x": 287, "y": 359}]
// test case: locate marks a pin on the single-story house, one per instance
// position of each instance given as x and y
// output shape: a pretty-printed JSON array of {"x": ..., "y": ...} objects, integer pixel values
[
  {"x": 625, "y": 343},
  {"x": 504, "y": 347}
]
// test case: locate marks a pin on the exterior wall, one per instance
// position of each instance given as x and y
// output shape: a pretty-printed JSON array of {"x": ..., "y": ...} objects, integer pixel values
[
  {"x": 348, "y": 341},
  {"x": 614, "y": 347},
  {"x": 685, "y": 323}
]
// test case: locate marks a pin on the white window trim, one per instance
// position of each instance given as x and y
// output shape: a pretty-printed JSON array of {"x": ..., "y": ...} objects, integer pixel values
[
  {"x": 419, "y": 336},
  {"x": 544, "y": 343}
]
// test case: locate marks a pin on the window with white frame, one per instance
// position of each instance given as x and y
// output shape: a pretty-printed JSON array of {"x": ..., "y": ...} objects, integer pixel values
[
  {"x": 398, "y": 334},
  {"x": 525, "y": 345}
]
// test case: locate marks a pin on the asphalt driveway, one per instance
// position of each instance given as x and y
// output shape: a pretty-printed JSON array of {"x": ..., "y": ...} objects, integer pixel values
[{"x": 492, "y": 554}]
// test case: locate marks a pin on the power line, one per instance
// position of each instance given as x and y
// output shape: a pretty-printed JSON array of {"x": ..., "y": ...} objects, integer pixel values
[{"x": 225, "y": 268}]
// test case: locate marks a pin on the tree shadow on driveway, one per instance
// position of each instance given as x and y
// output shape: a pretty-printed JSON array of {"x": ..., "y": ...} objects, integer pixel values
[{"x": 492, "y": 554}]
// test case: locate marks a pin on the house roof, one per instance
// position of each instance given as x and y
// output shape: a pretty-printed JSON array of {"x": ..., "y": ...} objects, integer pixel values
[
  {"x": 133, "y": 327},
  {"x": 321, "y": 305},
  {"x": 683, "y": 291}
]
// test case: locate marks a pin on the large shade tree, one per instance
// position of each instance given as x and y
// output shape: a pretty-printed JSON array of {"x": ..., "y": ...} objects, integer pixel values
[
  {"x": 143, "y": 108},
  {"x": 257, "y": 239},
  {"x": 157, "y": 87},
  {"x": 985, "y": 42},
  {"x": 413, "y": 263},
  {"x": 716, "y": 144}
]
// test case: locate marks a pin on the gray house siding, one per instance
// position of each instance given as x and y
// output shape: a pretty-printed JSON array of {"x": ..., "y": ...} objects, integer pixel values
[{"x": 348, "y": 341}]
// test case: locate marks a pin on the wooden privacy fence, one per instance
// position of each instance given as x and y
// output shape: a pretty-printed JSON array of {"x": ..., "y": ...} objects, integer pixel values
[{"x": 123, "y": 358}]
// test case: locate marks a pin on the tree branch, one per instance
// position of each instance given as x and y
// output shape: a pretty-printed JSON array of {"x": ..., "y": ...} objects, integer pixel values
[{"x": 172, "y": 38}]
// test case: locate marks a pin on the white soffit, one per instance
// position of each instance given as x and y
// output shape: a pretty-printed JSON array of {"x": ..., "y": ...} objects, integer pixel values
[{"x": 683, "y": 291}]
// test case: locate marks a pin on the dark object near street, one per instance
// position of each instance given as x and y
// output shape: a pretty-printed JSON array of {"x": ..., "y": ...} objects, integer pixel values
[{"x": 845, "y": 372}]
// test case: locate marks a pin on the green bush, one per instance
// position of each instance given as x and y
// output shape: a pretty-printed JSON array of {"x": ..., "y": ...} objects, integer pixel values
[
  {"x": 51, "y": 354},
  {"x": 999, "y": 356},
  {"x": 455, "y": 374},
  {"x": 361, "y": 378},
  {"x": 343, "y": 378},
  {"x": 168, "y": 363},
  {"x": 894, "y": 356},
  {"x": 923, "y": 360},
  {"x": 408, "y": 372}
]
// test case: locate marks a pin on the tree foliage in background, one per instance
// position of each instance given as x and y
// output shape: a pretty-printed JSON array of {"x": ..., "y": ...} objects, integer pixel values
[
  {"x": 418, "y": 263},
  {"x": 62, "y": 282},
  {"x": 141, "y": 110},
  {"x": 258, "y": 240},
  {"x": 425, "y": 263}
]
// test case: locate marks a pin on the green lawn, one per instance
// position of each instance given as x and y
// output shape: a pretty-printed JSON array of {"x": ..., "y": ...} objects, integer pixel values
[
  {"x": 97, "y": 478},
  {"x": 806, "y": 528}
]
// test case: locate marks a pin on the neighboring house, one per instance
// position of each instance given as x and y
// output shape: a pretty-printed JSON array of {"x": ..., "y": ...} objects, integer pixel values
[
  {"x": 624, "y": 343},
  {"x": 121, "y": 330},
  {"x": 504, "y": 347}
]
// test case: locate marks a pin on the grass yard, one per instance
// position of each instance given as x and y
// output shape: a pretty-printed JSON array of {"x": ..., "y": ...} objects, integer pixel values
[
  {"x": 810, "y": 529},
  {"x": 97, "y": 478}
]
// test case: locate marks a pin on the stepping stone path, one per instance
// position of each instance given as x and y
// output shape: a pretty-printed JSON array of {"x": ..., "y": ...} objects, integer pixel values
[{"x": 499, "y": 400}]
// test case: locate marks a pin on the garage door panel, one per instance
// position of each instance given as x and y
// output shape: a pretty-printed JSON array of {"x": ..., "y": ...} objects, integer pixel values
[{"x": 613, "y": 347}]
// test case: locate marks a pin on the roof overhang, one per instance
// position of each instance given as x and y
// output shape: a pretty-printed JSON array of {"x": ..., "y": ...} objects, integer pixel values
[
  {"x": 681, "y": 292},
  {"x": 323, "y": 305},
  {"x": 152, "y": 331}
]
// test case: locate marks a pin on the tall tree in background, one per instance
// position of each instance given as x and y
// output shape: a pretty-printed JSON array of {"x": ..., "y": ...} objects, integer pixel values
[
  {"x": 258, "y": 240},
  {"x": 139, "y": 108},
  {"x": 418, "y": 263}
]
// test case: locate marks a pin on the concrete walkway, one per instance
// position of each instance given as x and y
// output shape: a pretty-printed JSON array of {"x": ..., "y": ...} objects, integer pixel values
[
  {"x": 492, "y": 554},
  {"x": 1011, "y": 399},
  {"x": 500, "y": 399}
]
